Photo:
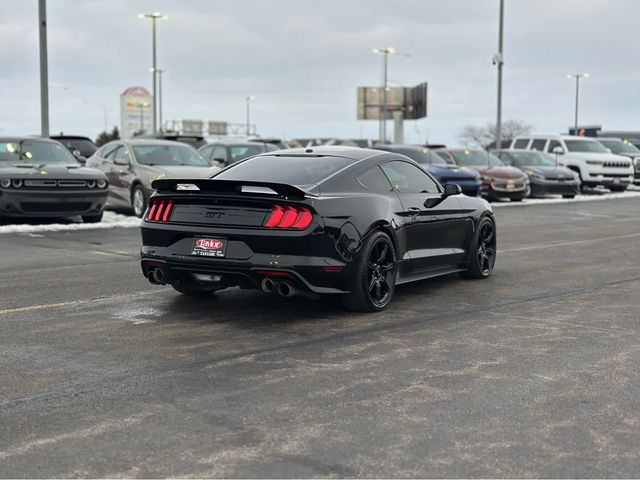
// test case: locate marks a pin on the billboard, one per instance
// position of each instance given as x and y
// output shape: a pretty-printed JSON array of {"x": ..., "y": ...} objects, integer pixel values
[
  {"x": 192, "y": 127},
  {"x": 136, "y": 112},
  {"x": 218, "y": 128},
  {"x": 411, "y": 101}
]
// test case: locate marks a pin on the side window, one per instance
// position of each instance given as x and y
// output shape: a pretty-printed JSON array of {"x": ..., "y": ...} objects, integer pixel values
[
  {"x": 374, "y": 180},
  {"x": 521, "y": 143},
  {"x": 538, "y": 144},
  {"x": 445, "y": 156},
  {"x": 505, "y": 157},
  {"x": 553, "y": 144},
  {"x": 407, "y": 178},
  {"x": 206, "y": 153},
  {"x": 220, "y": 153},
  {"x": 112, "y": 152},
  {"x": 121, "y": 155}
]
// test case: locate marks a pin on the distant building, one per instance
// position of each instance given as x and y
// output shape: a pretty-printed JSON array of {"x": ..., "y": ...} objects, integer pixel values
[{"x": 136, "y": 107}]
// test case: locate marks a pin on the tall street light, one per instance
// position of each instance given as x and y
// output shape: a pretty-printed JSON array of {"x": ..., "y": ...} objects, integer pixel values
[
  {"x": 160, "y": 72},
  {"x": 577, "y": 76},
  {"x": 499, "y": 61},
  {"x": 385, "y": 52},
  {"x": 154, "y": 18},
  {"x": 44, "y": 74},
  {"x": 249, "y": 99}
]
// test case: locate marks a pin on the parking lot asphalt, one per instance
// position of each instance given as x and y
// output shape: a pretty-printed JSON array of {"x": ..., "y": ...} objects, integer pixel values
[{"x": 533, "y": 372}]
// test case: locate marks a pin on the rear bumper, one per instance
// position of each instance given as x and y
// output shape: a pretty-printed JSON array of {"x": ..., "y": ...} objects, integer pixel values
[
  {"x": 250, "y": 256},
  {"x": 38, "y": 203}
]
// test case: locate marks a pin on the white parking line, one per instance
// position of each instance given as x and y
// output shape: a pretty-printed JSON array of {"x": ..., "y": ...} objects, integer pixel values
[
  {"x": 45, "y": 306},
  {"x": 566, "y": 244}
]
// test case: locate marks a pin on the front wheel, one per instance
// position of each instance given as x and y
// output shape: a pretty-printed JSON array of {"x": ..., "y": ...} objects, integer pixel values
[
  {"x": 374, "y": 275},
  {"x": 568, "y": 196},
  {"x": 483, "y": 251},
  {"x": 138, "y": 201},
  {"x": 618, "y": 188}
]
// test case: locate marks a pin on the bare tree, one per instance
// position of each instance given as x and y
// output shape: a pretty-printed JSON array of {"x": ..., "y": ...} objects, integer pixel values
[{"x": 475, "y": 136}]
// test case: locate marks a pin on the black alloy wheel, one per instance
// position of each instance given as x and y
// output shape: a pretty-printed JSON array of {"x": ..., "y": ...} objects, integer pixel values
[
  {"x": 483, "y": 252},
  {"x": 374, "y": 276}
]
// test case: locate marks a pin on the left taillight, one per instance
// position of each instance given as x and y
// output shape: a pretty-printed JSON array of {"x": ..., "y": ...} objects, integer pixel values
[
  {"x": 160, "y": 210},
  {"x": 297, "y": 218}
]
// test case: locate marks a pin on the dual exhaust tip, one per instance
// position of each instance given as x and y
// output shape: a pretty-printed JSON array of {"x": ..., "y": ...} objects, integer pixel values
[
  {"x": 284, "y": 288},
  {"x": 156, "y": 276}
]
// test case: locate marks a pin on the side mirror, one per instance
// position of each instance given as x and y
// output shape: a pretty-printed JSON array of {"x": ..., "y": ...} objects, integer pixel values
[
  {"x": 76, "y": 153},
  {"x": 452, "y": 189},
  {"x": 120, "y": 161},
  {"x": 558, "y": 150},
  {"x": 609, "y": 150},
  {"x": 221, "y": 161}
]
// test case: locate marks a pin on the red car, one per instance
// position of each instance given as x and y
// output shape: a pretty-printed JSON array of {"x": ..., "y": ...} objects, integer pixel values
[{"x": 498, "y": 180}]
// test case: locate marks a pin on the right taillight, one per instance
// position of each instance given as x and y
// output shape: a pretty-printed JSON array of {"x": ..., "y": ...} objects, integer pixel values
[
  {"x": 297, "y": 218},
  {"x": 160, "y": 211}
]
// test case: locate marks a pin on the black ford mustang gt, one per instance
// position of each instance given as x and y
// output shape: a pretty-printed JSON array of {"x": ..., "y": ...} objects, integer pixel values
[{"x": 327, "y": 220}]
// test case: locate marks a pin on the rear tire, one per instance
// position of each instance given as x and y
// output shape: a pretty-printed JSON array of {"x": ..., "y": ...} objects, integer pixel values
[
  {"x": 92, "y": 218},
  {"x": 568, "y": 196},
  {"x": 139, "y": 201},
  {"x": 191, "y": 290},
  {"x": 618, "y": 188},
  {"x": 482, "y": 256},
  {"x": 374, "y": 275}
]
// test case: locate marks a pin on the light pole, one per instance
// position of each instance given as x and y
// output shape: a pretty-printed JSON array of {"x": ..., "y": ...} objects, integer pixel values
[
  {"x": 499, "y": 61},
  {"x": 160, "y": 72},
  {"x": 141, "y": 106},
  {"x": 249, "y": 99},
  {"x": 154, "y": 17},
  {"x": 44, "y": 74},
  {"x": 577, "y": 76},
  {"x": 385, "y": 52}
]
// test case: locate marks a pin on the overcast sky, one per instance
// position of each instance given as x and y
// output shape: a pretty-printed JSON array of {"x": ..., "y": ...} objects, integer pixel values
[{"x": 303, "y": 59}]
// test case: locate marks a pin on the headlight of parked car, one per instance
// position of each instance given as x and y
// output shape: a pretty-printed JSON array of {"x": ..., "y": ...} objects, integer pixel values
[
  {"x": 5, "y": 183},
  {"x": 535, "y": 175},
  {"x": 91, "y": 183},
  {"x": 486, "y": 178},
  {"x": 102, "y": 183},
  {"x": 17, "y": 183}
]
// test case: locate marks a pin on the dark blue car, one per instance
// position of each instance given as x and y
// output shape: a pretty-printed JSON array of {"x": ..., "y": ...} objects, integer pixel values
[{"x": 467, "y": 178}]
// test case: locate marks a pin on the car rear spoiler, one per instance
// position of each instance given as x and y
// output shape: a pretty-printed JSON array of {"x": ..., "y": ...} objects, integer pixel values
[{"x": 225, "y": 186}]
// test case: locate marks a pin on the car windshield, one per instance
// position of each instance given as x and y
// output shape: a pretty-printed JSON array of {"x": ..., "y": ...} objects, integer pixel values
[
  {"x": 620, "y": 146},
  {"x": 532, "y": 159},
  {"x": 420, "y": 155},
  {"x": 585, "y": 146},
  {"x": 240, "y": 152},
  {"x": 285, "y": 169},
  {"x": 475, "y": 158},
  {"x": 34, "y": 151},
  {"x": 169, "y": 155}
]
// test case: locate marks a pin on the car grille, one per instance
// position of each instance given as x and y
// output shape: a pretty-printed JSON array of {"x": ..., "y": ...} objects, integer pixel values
[
  {"x": 35, "y": 207},
  {"x": 616, "y": 175},
  {"x": 560, "y": 179},
  {"x": 616, "y": 164},
  {"x": 51, "y": 183},
  {"x": 503, "y": 185}
]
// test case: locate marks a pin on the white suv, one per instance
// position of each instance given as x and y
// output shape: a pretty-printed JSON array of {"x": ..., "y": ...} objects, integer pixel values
[{"x": 592, "y": 161}]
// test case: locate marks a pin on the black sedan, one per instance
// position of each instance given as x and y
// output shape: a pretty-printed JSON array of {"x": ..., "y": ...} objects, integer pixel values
[
  {"x": 41, "y": 178},
  {"x": 545, "y": 175},
  {"x": 327, "y": 220}
]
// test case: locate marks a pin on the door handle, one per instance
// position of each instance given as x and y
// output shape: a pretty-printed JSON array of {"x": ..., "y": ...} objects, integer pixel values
[{"x": 414, "y": 210}]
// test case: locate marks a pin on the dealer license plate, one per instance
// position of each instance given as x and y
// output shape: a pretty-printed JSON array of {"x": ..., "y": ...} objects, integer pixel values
[{"x": 209, "y": 247}]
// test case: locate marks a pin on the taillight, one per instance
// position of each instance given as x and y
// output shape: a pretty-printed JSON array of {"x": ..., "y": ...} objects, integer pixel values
[
  {"x": 289, "y": 217},
  {"x": 160, "y": 211}
]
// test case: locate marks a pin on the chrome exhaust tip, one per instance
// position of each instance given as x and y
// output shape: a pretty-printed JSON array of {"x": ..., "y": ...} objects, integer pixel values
[
  {"x": 267, "y": 285},
  {"x": 285, "y": 289},
  {"x": 156, "y": 276}
]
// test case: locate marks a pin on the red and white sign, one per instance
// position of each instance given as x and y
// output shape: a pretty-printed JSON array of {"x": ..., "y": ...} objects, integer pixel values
[{"x": 209, "y": 244}]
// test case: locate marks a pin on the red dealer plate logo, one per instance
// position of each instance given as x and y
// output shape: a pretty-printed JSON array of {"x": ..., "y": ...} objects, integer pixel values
[{"x": 209, "y": 247}]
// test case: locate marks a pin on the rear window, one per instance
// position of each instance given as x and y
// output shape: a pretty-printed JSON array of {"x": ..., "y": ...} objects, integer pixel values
[
  {"x": 521, "y": 143},
  {"x": 285, "y": 169}
]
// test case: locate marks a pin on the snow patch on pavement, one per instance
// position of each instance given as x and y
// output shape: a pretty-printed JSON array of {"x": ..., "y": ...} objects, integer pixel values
[
  {"x": 578, "y": 198},
  {"x": 109, "y": 220}
]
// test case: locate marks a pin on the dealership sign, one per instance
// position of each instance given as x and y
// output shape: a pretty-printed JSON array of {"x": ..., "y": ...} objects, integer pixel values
[{"x": 136, "y": 111}]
